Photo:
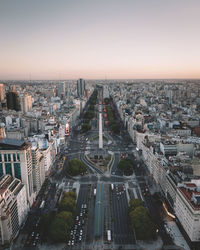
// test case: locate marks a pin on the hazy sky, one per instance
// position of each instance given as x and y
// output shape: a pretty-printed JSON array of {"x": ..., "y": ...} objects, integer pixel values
[{"x": 68, "y": 39}]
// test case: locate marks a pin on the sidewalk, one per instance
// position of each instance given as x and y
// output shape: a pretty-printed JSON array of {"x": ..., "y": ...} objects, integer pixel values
[
  {"x": 151, "y": 245},
  {"x": 176, "y": 235}
]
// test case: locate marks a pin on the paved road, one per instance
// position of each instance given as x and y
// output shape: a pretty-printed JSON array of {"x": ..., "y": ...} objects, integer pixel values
[{"x": 122, "y": 233}]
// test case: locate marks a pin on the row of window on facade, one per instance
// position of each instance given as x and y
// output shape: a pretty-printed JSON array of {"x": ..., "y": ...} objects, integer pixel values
[
  {"x": 9, "y": 157},
  {"x": 8, "y": 169}
]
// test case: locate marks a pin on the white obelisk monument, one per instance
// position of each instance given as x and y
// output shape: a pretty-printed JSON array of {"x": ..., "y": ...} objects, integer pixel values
[{"x": 100, "y": 128}]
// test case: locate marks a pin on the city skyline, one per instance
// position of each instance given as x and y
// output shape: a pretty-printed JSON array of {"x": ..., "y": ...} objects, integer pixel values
[{"x": 99, "y": 40}]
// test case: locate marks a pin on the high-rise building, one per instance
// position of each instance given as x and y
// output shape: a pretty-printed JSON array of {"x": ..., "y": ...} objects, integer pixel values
[
  {"x": 13, "y": 207},
  {"x": 38, "y": 169},
  {"x": 13, "y": 101},
  {"x": 16, "y": 160},
  {"x": 2, "y": 92},
  {"x": 80, "y": 88},
  {"x": 26, "y": 103},
  {"x": 61, "y": 89}
]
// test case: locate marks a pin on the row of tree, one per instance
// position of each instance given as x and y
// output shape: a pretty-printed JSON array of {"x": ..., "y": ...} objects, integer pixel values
[
  {"x": 115, "y": 127},
  {"x": 76, "y": 167},
  {"x": 57, "y": 226},
  {"x": 140, "y": 221},
  {"x": 89, "y": 115}
]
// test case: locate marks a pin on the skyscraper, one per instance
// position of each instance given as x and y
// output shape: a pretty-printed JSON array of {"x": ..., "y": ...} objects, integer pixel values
[
  {"x": 26, "y": 103},
  {"x": 61, "y": 89},
  {"x": 80, "y": 88},
  {"x": 13, "y": 101}
]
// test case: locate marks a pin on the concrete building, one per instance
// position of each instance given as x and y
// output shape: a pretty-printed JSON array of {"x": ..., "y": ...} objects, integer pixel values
[
  {"x": 16, "y": 160},
  {"x": 187, "y": 209},
  {"x": 38, "y": 169},
  {"x": 13, "y": 207},
  {"x": 47, "y": 159},
  {"x": 26, "y": 103},
  {"x": 2, "y": 92},
  {"x": 61, "y": 89}
]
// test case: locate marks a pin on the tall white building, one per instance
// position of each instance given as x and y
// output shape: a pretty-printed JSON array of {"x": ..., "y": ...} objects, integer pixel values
[
  {"x": 47, "y": 159},
  {"x": 187, "y": 209},
  {"x": 2, "y": 92},
  {"x": 13, "y": 207},
  {"x": 38, "y": 169},
  {"x": 16, "y": 160}
]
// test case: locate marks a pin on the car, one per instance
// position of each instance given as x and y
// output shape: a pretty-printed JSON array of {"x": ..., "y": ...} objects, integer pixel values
[
  {"x": 80, "y": 238},
  {"x": 33, "y": 233},
  {"x": 81, "y": 232},
  {"x": 81, "y": 214},
  {"x": 34, "y": 243},
  {"x": 72, "y": 242},
  {"x": 69, "y": 243}
]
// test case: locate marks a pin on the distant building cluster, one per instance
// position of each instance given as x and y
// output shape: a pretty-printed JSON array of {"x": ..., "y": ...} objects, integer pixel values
[
  {"x": 35, "y": 121},
  {"x": 163, "y": 120}
]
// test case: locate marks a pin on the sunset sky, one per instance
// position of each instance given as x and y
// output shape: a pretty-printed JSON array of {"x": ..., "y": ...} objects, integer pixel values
[{"x": 94, "y": 39}]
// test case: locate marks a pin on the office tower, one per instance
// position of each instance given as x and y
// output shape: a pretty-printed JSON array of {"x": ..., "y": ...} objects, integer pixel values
[
  {"x": 38, "y": 169},
  {"x": 2, "y": 92},
  {"x": 13, "y": 207},
  {"x": 80, "y": 88},
  {"x": 16, "y": 160},
  {"x": 13, "y": 101},
  {"x": 61, "y": 89},
  {"x": 26, "y": 103}
]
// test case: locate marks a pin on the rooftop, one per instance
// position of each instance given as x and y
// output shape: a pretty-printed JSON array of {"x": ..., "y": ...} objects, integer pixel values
[
  {"x": 189, "y": 194},
  {"x": 6, "y": 144}
]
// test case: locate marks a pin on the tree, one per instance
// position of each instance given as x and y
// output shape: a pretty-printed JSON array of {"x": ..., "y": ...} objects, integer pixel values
[
  {"x": 85, "y": 127},
  {"x": 134, "y": 203},
  {"x": 70, "y": 194},
  {"x": 67, "y": 218},
  {"x": 76, "y": 167},
  {"x": 58, "y": 230},
  {"x": 144, "y": 228},
  {"x": 67, "y": 204},
  {"x": 126, "y": 166}
]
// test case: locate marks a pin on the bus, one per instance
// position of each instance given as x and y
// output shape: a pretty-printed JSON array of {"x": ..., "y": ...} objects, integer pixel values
[{"x": 109, "y": 236}]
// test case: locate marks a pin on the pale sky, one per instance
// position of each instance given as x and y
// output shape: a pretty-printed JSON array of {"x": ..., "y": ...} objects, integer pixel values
[{"x": 94, "y": 39}]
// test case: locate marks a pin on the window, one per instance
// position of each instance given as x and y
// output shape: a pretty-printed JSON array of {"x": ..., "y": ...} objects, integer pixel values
[
  {"x": 9, "y": 157},
  {"x": 0, "y": 157},
  {"x": 8, "y": 168},
  {"x": 17, "y": 170},
  {"x": 18, "y": 157},
  {"x": 29, "y": 185},
  {"x": 5, "y": 157},
  {"x": 14, "y": 157},
  {"x": 1, "y": 169}
]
